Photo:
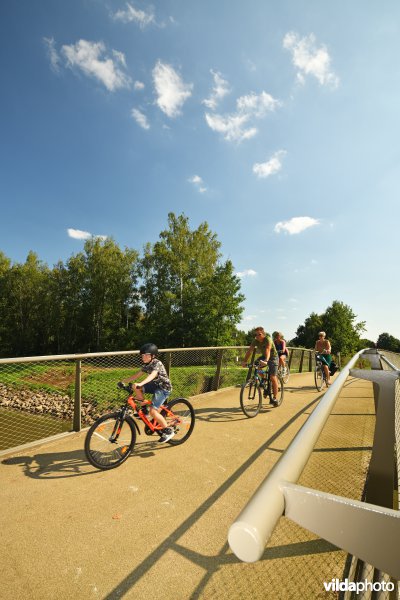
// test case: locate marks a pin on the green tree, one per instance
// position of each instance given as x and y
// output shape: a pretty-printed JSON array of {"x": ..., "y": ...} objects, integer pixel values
[
  {"x": 388, "y": 342},
  {"x": 343, "y": 332},
  {"x": 219, "y": 307},
  {"x": 102, "y": 299},
  {"x": 184, "y": 287},
  {"x": 24, "y": 306},
  {"x": 307, "y": 334},
  {"x": 5, "y": 265},
  {"x": 339, "y": 323},
  {"x": 365, "y": 343}
]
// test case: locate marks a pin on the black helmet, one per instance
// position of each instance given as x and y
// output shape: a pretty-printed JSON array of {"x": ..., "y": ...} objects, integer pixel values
[{"x": 148, "y": 348}]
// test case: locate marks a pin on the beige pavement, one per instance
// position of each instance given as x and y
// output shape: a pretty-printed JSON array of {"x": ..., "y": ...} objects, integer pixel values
[{"x": 157, "y": 526}]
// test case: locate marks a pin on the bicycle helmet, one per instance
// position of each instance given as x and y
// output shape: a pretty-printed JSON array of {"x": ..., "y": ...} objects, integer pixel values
[{"x": 148, "y": 348}]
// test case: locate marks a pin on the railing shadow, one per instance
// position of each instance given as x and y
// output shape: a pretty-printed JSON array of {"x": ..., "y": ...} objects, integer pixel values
[{"x": 211, "y": 564}]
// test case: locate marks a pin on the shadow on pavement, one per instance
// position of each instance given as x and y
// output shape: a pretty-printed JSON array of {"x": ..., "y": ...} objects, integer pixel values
[
  {"x": 53, "y": 465},
  {"x": 60, "y": 465},
  {"x": 211, "y": 564}
]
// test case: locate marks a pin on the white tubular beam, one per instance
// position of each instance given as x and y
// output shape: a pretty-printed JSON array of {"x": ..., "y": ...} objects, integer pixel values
[
  {"x": 370, "y": 532},
  {"x": 253, "y": 527}
]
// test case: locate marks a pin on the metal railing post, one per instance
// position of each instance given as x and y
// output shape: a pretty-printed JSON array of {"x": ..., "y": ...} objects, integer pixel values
[
  {"x": 77, "y": 399},
  {"x": 291, "y": 351},
  {"x": 217, "y": 376},
  {"x": 301, "y": 362},
  {"x": 167, "y": 363}
]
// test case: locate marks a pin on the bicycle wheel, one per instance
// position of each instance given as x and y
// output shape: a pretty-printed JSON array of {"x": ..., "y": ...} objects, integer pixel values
[
  {"x": 250, "y": 398},
  {"x": 105, "y": 448},
  {"x": 318, "y": 377},
  {"x": 181, "y": 421},
  {"x": 281, "y": 390},
  {"x": 284, "y": 373}
]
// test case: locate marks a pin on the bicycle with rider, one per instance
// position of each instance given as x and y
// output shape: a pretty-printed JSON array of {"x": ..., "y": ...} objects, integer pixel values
[
  {"x": 264, "y": 345},
  {"x": 323, "y": 349}
]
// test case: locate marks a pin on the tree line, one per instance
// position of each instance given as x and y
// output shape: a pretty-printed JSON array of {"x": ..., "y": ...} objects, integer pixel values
[
  {"x": 178, "y": 292},
  {"x": 343, "y": 331}
]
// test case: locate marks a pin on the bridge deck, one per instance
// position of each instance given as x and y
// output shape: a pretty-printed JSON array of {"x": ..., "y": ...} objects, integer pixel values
[{"x": 157, "y": 526}]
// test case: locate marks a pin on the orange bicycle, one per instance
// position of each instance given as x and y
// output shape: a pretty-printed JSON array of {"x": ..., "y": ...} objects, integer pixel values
[{"x": 111, "y": 439}]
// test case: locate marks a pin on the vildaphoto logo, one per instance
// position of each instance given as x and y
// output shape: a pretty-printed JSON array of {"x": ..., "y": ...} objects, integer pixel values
[{"x": 336, "y": 585}]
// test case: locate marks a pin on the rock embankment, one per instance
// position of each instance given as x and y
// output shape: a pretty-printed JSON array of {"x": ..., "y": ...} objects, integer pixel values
[{"x": 45, "y": 403}]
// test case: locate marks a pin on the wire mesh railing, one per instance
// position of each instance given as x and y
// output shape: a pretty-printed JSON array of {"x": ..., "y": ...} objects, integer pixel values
[
  {"x": 392, "y": 357},
  {"x": 44, "y": 396},
  {"x": 341, "y": 502}
]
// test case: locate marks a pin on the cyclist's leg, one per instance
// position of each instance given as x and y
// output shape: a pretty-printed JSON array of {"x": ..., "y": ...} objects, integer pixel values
[
  {"x": 159, "y": 397},
  {"x": 325, "y": 366},
  {"x": 273, "y": 370},
  {"x": 327, "y": 374}
]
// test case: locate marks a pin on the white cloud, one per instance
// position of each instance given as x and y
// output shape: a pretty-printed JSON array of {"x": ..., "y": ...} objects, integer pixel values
[
  {"x": 309, "y": 59},
  {"x": 296, "y": 225},
  {"x": 257, "y": 104},
  {"x": 249, "y": 318},
  {"x": 91, "y": 58},
  {"x": 198, "y": 182},
  {"x": 247, "y": 273},
  {"x": 52, "y": 54},
  {"x": 78, "y": 234},
  {"x": 272, "y": 166},
  {"x": 232, "y": 127},
  {"x": 132, "y": 14},
  {"x": 140, "y": 118},
  {"x": 138, "y": 85},
  {"x": 235, "y": 126},
  {"x": 220, "y": 89},
  {"x": 171, "y": 91}
]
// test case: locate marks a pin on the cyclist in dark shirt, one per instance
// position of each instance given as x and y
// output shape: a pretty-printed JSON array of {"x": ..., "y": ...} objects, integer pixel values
[
  {"x": 280, "y": 345},
  {"x": 269, "y": 356}
]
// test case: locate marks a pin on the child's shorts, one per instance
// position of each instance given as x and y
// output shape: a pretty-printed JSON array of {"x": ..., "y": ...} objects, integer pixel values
[{"x": 159, "y": 395}]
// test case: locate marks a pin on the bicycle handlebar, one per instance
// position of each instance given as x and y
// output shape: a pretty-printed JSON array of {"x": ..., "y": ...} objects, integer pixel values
[{"x": 128, "y": 388}]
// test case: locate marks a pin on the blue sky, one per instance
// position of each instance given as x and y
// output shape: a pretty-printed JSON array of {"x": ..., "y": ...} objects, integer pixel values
[{"x": 277, "y": 122}]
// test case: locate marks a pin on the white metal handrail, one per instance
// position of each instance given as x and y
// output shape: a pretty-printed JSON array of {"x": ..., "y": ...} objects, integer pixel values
[{"x": 279, "y": 494}]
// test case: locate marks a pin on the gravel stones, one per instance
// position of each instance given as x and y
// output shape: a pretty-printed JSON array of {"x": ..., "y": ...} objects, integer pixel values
[{"x": 45, "y": 403}]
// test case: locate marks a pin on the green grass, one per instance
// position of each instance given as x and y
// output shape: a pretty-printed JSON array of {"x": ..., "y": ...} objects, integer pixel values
[{"x": 98, "y": 384}]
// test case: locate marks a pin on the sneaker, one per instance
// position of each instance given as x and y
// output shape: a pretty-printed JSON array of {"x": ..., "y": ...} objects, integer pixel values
[
  {"x": 167, "y": 434},
  {"x": 274, "y": 402}
]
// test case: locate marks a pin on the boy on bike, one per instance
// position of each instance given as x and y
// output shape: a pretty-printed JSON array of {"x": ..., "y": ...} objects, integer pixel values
[
  {"x": 269, "y": 356},
  {"x": 157, "y": 383}
]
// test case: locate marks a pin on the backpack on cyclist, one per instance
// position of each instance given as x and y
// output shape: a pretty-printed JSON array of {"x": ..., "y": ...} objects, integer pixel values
[{"x": 333, "y": 368}]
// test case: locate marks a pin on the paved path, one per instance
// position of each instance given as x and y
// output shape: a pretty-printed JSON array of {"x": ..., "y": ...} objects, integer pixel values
[{"x": 157, "y": 526}]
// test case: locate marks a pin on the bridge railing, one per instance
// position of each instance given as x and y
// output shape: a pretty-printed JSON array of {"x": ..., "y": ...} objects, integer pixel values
[
  {"x": 43, "y": 396},
  {"x": 337, "y": 519}
]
